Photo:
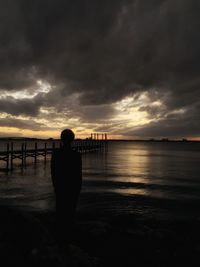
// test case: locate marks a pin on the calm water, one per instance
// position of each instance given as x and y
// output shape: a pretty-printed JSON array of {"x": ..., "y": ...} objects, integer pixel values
[{"x": 141, "y": 178}]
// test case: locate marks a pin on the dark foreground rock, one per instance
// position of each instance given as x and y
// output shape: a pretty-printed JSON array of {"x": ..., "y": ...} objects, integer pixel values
[{"x": 28, "y": 239}]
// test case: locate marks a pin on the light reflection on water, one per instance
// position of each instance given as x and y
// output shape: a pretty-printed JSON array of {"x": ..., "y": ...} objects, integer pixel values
[
  {"x": 128, "y": 169},
  {"x": 162, "y": 170}
]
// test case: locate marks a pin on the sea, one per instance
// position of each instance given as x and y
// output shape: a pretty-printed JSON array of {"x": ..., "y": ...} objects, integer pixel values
[{"x": 148, "y": 180}]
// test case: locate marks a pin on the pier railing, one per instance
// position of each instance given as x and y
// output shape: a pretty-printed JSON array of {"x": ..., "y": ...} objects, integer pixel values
[{"x": 22, "y": 152}]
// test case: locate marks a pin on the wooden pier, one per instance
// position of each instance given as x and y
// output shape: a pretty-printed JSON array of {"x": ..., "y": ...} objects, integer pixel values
[{"x": 23, "y": 153}]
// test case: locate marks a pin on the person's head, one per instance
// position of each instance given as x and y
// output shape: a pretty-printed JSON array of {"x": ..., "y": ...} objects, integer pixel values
[{"x": 67, "y": 136}]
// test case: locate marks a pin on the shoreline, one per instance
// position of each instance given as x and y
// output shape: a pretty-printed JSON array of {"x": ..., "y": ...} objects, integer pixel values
[{"x": 28, "y": 239}]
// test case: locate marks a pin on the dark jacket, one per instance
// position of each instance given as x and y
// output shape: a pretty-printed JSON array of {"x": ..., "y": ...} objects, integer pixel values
[{"x": 66, "y": 172}]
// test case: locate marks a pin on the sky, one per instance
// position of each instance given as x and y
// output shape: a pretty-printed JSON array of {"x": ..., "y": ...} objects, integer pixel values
[{"x": 129, "y": 68}]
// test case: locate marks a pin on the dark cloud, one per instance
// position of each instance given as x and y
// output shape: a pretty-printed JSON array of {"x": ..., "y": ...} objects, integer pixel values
[
  {"x": 102, "y": 50},
  {"x": 98, "y": 114},
  {"x": 177, "y": 125},
  {"x": 167, "y": 129},
  {"x": 21, "y": 124},
  {"x": 26, "y": 106}
]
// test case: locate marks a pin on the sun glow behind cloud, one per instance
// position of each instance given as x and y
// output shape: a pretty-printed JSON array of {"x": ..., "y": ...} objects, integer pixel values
[
  {"x": 129, "y": 113},
  {"x": 42, "y": 87},
  {"x": 66, "y": 111},
  {"x": 50, "y": 122}
]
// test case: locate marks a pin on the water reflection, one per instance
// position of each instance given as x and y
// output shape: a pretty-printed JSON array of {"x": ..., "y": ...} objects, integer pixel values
[
  {"x": 154, "y": 169},
  {"x": 164, "y": 171},
  {"x": 30, "y": 187}
]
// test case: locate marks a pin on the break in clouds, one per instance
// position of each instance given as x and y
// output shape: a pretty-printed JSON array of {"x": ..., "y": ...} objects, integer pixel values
[{"x": 128, "y": 67}]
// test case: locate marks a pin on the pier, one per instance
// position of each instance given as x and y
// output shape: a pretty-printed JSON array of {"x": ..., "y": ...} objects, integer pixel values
[{"x": 97, "y": 142}]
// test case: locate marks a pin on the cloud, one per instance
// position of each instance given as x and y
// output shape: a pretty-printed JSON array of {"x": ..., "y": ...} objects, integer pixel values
[
  {"x": 101, "y": 52},
  {"x": 21, "y": 124},
  {"x": 26, "y": 106},
  {"x": 178, "y": 124}
]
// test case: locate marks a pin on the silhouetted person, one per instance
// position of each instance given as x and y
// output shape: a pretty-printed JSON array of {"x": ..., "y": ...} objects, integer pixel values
[{"x": 66, "y": 172}]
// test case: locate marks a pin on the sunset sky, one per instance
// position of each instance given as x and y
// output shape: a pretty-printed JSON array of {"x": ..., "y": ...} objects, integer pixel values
[{"x": 126, "y": 67}]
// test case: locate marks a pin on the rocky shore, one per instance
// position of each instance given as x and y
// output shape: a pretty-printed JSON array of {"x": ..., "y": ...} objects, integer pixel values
[{"x": 28, "y": 239}]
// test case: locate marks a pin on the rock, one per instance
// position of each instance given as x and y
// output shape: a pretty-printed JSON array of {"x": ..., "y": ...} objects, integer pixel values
[{"x": 22, "y": 236}]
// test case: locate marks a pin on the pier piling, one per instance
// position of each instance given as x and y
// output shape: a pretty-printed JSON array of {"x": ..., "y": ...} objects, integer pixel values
[{"x": 94, "y": 143}]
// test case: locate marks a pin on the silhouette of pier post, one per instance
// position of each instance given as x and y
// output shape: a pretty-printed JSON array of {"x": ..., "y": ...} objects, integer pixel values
[
  {"x": 25, "y": 153},
  {"x": 35, "y": 157},
  {"x": 4, "y": 156},
  {"x": 21, "y": 153},
  {"x": 11, "y": 156},
  {"x": 45, "y": 152},
  {"x": 7, "y": 157}
]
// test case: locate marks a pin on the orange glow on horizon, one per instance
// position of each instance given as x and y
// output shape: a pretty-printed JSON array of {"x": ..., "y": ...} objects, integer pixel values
[
  {"x": 82, "y": 134},
  {"x": 16, "y": 132},
  {"x": 195, "y": 139}
]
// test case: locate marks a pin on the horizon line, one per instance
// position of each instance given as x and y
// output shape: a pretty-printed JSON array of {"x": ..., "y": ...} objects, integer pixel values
[{"x": 110, "y": 139}]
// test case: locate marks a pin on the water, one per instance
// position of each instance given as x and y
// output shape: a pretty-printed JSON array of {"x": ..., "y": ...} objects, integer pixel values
[{"x": 146, "y": 179}]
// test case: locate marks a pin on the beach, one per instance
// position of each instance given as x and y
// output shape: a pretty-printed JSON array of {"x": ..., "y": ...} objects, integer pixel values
[
  {"x": 139, "y": 206},
  {"x": 28, "y": 239}
]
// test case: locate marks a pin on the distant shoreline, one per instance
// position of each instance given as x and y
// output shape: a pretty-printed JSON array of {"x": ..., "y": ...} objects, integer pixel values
[
  {"x": 155, "y": 140},
  {"x": 109, "y": 140},
  {"x": 26, "y": 139}
]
